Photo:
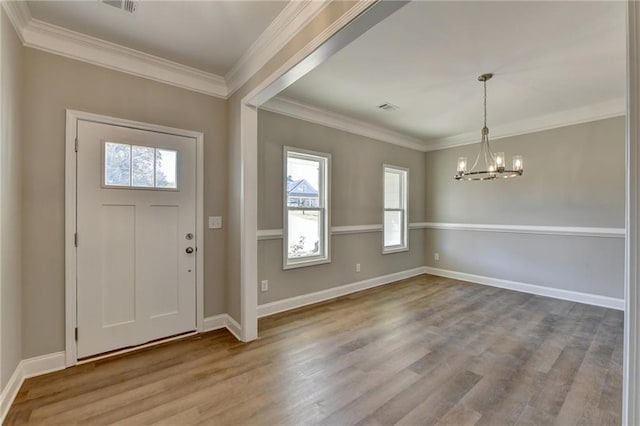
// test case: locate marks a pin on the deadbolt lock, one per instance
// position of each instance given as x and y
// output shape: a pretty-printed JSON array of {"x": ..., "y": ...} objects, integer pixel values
[{"x": 189, "y": 236}]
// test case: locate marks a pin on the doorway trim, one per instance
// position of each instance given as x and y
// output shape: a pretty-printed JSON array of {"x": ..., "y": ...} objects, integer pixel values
[
  {"x": 631, "y": 357},
  {"x": 72, "y": 118}
]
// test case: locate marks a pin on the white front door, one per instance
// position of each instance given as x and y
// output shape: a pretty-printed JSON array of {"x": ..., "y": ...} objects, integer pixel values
[{"x": 136, "y": 223}]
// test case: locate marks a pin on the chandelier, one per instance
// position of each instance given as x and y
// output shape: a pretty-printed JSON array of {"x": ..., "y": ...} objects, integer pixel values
[{"x": 494, "y": 164}]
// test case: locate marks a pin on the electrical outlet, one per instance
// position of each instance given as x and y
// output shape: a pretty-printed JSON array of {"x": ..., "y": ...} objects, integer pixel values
[
  {"x": 436, "y": 256},
  {"x": 357, "y": 267},
  {"x": 264, "y": 285}
]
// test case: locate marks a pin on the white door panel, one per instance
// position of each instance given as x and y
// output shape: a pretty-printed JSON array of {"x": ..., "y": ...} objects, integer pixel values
[{"x": 136, "y": 282}]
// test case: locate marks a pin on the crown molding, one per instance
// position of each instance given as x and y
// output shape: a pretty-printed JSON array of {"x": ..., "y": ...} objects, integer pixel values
[
  {"x": 313, "y": 114},
  {"x": 19, "y": 15},
  {"x": 295, "y": 16},
  {"x": 600, "y": 111},
  {"x": 61, "y": 41},
  {"x": 293, "y": 108}
]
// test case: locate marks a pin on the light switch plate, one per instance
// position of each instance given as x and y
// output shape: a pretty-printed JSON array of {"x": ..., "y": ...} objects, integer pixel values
[{"x": 215, "y": 222}]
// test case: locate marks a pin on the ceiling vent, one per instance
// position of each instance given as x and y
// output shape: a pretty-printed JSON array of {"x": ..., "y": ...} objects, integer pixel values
[
  {"x": 128, "y": 6},
  {"x": 387, "y": 106}
]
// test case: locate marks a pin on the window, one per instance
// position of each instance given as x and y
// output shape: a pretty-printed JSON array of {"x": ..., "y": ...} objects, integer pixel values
[
  {"x": 306, "y": 208},
  {"x": 395, "y": 209},
  {"x": 143, "y": 167}
]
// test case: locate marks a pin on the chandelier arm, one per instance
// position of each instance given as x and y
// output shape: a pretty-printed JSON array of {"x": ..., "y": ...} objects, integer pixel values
[
  {"x": 491, "y": 156},
  {"x": 488, "y": 156},
  {"x": 475, "y": 164}
]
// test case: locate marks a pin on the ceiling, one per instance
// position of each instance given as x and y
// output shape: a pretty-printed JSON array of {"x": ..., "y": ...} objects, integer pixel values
[
  {"x": 547, "y": 57},
  {"x": 207, "y": 35}
]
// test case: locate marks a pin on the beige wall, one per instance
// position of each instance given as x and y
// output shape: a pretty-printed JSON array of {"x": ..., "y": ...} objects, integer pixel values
[
  {"x": 574, "y": 176},
  {"x": 356, "y": 199},
  {"x": 563, "y": 185},
  {"x": 53, "y": 84},
  {"x": 11, "y": 79}
]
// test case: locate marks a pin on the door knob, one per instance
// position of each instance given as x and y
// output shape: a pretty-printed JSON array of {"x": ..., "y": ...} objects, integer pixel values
[{"x": 189, "y": 250}]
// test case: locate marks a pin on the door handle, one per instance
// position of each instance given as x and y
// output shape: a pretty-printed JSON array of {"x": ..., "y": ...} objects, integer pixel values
[{"x": 189, "y": 250}]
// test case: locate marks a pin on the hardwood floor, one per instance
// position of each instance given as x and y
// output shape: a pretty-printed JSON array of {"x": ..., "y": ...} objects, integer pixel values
[{"x": 427, "y": 350}]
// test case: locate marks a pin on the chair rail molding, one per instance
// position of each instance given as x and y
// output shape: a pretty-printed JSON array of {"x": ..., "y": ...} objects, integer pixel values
[{"x": 567, "y": 231}]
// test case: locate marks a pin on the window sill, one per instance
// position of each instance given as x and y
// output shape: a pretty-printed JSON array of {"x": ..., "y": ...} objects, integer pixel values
[
  {"x": 394, "y": 250},
  {"x": 305, "y": 263}
]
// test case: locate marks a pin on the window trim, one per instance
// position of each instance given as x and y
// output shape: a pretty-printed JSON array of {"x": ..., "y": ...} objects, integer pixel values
[
  {"x": 404, "y": 173},
  {"x": 325, "y": 191}
]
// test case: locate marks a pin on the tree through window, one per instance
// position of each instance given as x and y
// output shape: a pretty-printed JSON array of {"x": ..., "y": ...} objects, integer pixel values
[{"x": 139, "y": 166}]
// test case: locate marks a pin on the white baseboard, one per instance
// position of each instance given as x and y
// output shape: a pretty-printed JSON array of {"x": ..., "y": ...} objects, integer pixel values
[
  {"x": 56, "y": 361},
  {"x": 223, "y": 321},
  {"x": 556, "y": 293},
  {"x": 9, "y": 392},
  {"x": 215, "y": 323},
  {"x": 44, "y": 364},
  {"x": 234, "y": 328},
  {"x": 331, "y": 293},
  {"x": 26, "y": 369}
]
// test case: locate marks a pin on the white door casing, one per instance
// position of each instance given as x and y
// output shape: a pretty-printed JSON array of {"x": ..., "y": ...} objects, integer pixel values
[{"x": 130, "y": 280}]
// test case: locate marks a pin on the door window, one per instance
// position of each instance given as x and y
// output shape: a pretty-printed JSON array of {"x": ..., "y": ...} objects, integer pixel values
[{"x": 140, "y": 167}]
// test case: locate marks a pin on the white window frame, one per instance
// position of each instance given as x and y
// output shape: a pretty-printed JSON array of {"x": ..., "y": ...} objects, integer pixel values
[
  {"x": 404, "y": 193},
  {"x": 324, "y": 194}
]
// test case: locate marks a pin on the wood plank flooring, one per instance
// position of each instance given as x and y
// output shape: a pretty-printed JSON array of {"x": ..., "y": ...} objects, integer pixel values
[{"x": 427, "y": 350}]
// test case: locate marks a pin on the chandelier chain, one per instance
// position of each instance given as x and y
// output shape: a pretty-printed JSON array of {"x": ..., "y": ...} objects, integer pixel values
[{"x": 484, "y": 83}]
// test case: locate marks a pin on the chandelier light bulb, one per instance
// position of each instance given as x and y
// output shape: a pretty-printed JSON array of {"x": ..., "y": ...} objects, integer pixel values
[
  {"x": 517, "y": 163},
  {"x": 462, "y": 164}
]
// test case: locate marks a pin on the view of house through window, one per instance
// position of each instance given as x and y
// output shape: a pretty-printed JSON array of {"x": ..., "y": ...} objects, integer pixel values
[
  {"x": 395, "y": 209},
  {"x": 306, "y": 227}
]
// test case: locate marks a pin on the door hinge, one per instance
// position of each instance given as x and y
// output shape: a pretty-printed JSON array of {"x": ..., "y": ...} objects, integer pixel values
[
  {"x": 76, "y": 144},
  {"x": 75, "y": 239},
  {"x": 76, "y": 334}
]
